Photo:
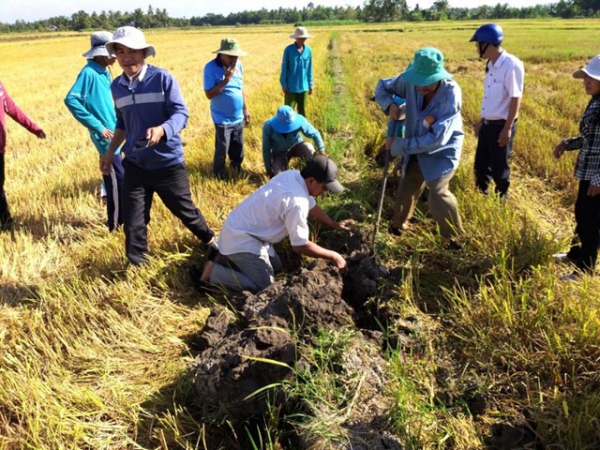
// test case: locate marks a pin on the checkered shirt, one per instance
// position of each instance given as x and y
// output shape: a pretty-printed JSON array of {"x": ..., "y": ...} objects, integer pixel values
[{"x": 588, "y": 160}]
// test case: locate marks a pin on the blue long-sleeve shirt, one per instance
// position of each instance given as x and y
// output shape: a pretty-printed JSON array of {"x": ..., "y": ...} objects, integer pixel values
[
  {"x": 437, "y": 148},
  {"x": 90, "y": 102},
  {"x": 154, "y": 99},
  {"x": 277, "y": 143},
  {"x": 296, "y": 69}
]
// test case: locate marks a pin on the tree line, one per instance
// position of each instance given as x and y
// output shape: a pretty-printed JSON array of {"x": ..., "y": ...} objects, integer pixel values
[{"x": 371, "y": 11}]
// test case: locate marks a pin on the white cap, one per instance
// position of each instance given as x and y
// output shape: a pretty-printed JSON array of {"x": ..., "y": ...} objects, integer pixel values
[
  {"x": 132, "y": 38},
  {"x": 592, "y": 69}
]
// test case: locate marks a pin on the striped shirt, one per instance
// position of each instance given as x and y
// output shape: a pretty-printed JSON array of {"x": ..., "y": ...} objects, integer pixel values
[{"x": 588, "y": 161}]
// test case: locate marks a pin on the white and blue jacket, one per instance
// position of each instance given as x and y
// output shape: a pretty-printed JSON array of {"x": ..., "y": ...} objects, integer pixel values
[{"x": 153, "y": 99}]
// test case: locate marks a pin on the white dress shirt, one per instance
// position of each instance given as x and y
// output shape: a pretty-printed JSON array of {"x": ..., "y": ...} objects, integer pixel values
[{"x": 503, "y": 81}]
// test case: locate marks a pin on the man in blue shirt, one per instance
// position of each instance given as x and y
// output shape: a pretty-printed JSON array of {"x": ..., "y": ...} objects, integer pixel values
[
  {"x": 224, "y": 87},
  {"x": 150, "y": 114},
  {"x": 282, "y": 140},
  {"x": 433, "y": 138},
  {"x": 90, "y": 102},
  {"x": 296, "y": 71}
]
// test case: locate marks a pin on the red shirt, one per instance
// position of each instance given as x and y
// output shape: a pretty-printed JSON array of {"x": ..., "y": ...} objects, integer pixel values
[{"x": 10, "y": 108}]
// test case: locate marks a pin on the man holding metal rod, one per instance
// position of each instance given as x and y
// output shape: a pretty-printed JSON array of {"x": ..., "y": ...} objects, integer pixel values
[{"x": 432, "y": 144}]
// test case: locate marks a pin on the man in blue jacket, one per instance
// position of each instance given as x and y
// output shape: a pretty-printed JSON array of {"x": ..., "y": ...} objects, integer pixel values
[
  {"x": 433, "y": 138},
  {"x": 224, "y": 87},
  {"x": 90, "y": 102},
  {"x": 150, "y": 114},
  {"x": 282, "y": 140},
  {"x": 296, "y": 77}
]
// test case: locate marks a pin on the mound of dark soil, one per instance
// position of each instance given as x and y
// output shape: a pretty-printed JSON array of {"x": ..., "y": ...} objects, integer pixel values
[{"x": 247, "y": 354}]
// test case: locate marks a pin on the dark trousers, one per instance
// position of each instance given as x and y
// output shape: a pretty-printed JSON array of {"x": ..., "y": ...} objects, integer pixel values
[
  {"x": 296, "y": 100},
  {"x": 229, "y": 140},
  {"x": 491, "y": 160},
  {"x": 173, "y": 187},
  {"x": 587, "y": 215},
  {"x": 4, "y": 212},
  {"x": 113, "y": 183}
]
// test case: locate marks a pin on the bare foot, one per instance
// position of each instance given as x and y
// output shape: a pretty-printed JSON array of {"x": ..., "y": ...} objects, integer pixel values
[{"x": 207, "y": 271}]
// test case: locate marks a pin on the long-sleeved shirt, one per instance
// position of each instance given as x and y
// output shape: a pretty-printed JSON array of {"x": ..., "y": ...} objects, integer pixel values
[
  {"x": 90, "y": 102},
  {"x": 588, "y": 160},
  {"x": 437, "y": 148},
  {"x": 277, "y": 143},
  {"x": 153, "y": 99},
  {"x": 10, "y": 108},
  {"x": 296, "y": 69}
]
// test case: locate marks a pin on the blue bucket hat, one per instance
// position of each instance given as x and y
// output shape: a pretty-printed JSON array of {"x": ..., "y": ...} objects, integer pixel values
[
  {"x": 427, "y": 67},
  {"x": 286, "y": 120}
]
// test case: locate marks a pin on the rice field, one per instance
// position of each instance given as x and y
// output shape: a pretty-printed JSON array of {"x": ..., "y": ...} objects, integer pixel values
[{"x": 94, "y": 354}]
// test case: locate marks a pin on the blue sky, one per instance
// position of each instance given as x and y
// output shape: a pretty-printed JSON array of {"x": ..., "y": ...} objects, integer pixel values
[{"x": 30, "y": 10}]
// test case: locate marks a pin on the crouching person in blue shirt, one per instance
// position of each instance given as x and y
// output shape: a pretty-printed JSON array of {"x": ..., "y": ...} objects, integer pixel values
[
  {"x": 282, "y": 140},
  {"x": 150, "y": 114}
]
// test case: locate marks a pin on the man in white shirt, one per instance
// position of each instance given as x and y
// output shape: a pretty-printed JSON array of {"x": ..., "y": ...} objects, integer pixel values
[
  {"x": 502, "y": 94},
  {"x": 277, "y": 209}
]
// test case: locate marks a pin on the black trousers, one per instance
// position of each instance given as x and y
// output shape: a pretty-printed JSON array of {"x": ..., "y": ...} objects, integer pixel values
[
  {"x": 4, "y": 212},
  {"x": 491, "y": 160},
  {"x": 172, "y": 185},
  {"x": 229, "y": 141},
  {"x": 587, "y": 215}
]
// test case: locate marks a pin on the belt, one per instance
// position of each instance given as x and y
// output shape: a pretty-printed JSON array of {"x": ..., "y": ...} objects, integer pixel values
[{"x": 495, "y": 122}]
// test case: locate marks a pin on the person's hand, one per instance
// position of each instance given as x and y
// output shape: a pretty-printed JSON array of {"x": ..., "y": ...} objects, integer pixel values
[
  {"x": 154, "y": 135},
  {"x": 394, "y": 111},
  {"x": 397, "y": 170},
  {"x": 310, "y": 91},
  {"x": 246, "y": 116},
  {"x": 40, "y": 134},
  {"x": 477, "y": 127},
  {"x": 228, "y": 73},
  {"x": 593, "y": 190},
  {"x": 428, "y": 121},
  {"x": 344, "y": 225},
  {"x": 107, "y": 134},
  {"x": 559, "y": 149},
  {"x": 106, "y": 162},
  {"x": 285, "y": 90},
  {"x": 504, "y": 136},
  {"x": 340, "y": 262},
  {"x": 322, "y": 153}
]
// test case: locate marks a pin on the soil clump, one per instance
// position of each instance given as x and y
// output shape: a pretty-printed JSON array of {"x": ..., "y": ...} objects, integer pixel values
[{"x": 250, "y": 352}]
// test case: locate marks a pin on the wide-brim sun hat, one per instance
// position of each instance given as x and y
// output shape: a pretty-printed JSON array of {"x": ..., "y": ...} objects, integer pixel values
[
  {"x": 427, "y": 67},
  {"x": 98, "y": 41},
  {"x": 592, "y": 69},
  {"x": 132, "y": 38},
  {"x": 300, "y": 33},
  {"x": 286, "y": 120},
  {"x": 230, "y": 47}
]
